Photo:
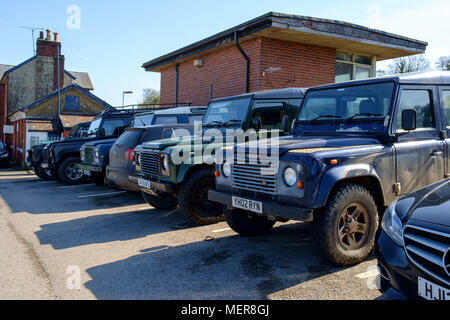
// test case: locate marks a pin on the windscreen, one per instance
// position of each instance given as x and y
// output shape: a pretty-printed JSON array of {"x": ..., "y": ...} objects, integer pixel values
[
  {"x": 142, "y": 120},
  {"x": 369, "y": 101},
  {"x": 94, "y": 127},
  {"x": 229, "y": 112}
]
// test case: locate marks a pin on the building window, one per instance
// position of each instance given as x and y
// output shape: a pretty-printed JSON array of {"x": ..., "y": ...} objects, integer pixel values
[
  {"x": 72, "y": 103},
  {"x": 353, "y": 67},
  {"x": 54, "y": 136}
]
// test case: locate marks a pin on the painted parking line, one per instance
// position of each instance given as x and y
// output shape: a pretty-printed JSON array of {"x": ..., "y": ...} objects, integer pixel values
[
  {"x": 80, "y": 185},
  {"x": 101, "y": 194},
  {"x": 221, "y": 230}
]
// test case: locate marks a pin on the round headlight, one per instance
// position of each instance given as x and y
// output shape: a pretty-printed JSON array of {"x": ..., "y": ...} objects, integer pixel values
[
  {"x": 166, "y": 164},
  {"x": 226, "y": 169},
  {"x": 290, "y": 176}
]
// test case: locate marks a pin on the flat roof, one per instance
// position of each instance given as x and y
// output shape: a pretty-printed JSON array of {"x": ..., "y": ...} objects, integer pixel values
[
  {"x": 302, "y": 29},
  {"x": 419, "y": 78}
]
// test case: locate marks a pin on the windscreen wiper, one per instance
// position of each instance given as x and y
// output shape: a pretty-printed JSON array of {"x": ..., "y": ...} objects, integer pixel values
[
  {"x": 326, "y": 116},
  {"x": 229, "y": 122},
  {"x": 213, "y": 123},
  {"x": 364, "y": 115}
]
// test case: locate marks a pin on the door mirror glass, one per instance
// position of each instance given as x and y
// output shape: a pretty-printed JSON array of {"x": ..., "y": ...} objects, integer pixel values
[
  {"x": 256, "y": 123},
  {"x": 409, "y": 120},
  {"x": 285, "y": 123}
]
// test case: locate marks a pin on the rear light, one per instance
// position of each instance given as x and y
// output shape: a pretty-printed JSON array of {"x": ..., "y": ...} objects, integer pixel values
[{"x": 129, "y": 155}]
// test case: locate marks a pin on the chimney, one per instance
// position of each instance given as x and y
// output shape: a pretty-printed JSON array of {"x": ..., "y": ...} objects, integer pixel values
[{"x": 49, "y": 48}]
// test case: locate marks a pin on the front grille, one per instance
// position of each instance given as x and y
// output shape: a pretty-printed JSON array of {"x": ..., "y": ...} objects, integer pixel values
[
  {"x": 426, "y": 248},
  {"x": 150, "y": 163},
  {"x": 46, "y": 155},
  {"x": 88, "y": 154},
  {"x": 256, "y": 177}
]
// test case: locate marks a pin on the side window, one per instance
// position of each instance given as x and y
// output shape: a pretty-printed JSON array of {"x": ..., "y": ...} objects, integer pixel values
[
  {"x": 271, "y": 118},
  {"x": 195, "y": 118},
  {"x": 446, "y": 102},
  {"x": 166, "y": 120},
  {"x": 111, "y": 125},
  {"x": 420, "y": 101}
]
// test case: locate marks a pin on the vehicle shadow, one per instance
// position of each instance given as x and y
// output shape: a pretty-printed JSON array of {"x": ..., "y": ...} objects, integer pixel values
[
  {"x": 106, "y": 228},
  {"x": 37, "y": 197},
  {"x": 230, "y": 267}
]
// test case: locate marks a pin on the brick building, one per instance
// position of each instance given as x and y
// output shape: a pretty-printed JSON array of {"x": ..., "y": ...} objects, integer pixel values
[
  {"x": 30, "y": 104},
  {"x": 275, "y": 51}
]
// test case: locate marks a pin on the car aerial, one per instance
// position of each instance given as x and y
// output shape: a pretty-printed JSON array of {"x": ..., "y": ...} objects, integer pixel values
[
  {"x": 95, "y": 154},
  {"x": 356, "y": 147},
  {"x": 5, "y": 155},
  {"x": 35, "y": 154},
  {"x": 62, "y": 158},
  {"x": 413, "y": 245},
  {"x": 166, "y": 183},
  {"x": 121, "y": 156}
]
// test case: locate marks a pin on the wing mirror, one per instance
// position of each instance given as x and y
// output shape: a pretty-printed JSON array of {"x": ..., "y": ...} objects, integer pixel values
[
  {"x": 409, "y": 120},
  {"x": 256, "y": 123},
  {"x": 285, "y": 124},
  {"x": 102, "y": 132}
]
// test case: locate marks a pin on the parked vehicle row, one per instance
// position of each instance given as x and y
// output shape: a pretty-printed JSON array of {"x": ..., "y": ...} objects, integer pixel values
[{"x": 347, "y": 157}]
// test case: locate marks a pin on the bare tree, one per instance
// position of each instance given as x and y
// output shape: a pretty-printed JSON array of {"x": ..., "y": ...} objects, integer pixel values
[
  {"x": 150, "y": 96},
  {"x": 443, "y": 63},
  {"x": 407, "y": 64}
]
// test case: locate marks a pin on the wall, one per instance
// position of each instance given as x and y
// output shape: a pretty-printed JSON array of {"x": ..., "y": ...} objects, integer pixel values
[
  {"x": 224, "y": 69},
  {"x": 293, "y": 65}
]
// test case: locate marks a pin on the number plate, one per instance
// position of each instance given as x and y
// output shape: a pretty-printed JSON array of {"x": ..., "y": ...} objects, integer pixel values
[
  {"x": 431, "y": 291},
  {"x": 249, "y": 205},
  {"x": 144, "y": 184},
  {"x": 86, "y": 172}
]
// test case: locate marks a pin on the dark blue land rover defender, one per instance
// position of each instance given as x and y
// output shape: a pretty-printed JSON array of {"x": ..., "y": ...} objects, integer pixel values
[{"x": 355, "y": 148}]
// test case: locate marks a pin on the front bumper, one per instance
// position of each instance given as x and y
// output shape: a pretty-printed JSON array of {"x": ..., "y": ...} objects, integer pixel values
[
  {"x": 90, "y": 168},
  {"x": 119, "y": 178},
  {"x": 154, "y": 186},
  {"x": 269, "y": 207},
  {"x": 399, "y": 277}
]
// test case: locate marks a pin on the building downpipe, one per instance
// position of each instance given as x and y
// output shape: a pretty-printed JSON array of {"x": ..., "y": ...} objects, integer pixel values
[
  {"x": 177, "y": 68},
  {"x": 247, "y": 62}
]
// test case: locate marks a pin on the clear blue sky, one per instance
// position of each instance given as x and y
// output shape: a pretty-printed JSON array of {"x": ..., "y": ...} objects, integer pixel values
[{"x": 116, "y": 38}]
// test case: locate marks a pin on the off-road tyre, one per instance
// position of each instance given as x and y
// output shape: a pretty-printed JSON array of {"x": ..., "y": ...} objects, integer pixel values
[
  {"x": 68, "y": 165},
  {"x": 246, "y": 223},
  {"x": 334, "y": 227},
  {"x": 160, "y": 201},
  {"x": 193, "y": 198},
  {"x": 43, "y": 174}
]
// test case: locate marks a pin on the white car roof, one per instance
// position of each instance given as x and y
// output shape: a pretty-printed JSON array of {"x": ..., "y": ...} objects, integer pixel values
[{"x": 179, "y": 110}]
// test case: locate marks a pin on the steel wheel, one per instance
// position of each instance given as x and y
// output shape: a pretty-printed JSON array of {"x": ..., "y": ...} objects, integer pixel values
[{"x": 353, "y": 227}]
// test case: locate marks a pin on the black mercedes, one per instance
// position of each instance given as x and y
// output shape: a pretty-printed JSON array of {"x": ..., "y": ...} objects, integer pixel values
[{"x": 413, "y": 245}]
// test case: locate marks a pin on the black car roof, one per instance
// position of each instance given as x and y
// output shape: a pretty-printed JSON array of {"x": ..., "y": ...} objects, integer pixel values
[
  {"x": 286, "y": 93},
  {"x": 422, "y": 77}
]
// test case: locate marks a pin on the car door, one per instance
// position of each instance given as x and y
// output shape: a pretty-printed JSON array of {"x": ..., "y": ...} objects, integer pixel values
[
  {"x": 419, "y": 154},
  {"x": 444, "y": 92}
]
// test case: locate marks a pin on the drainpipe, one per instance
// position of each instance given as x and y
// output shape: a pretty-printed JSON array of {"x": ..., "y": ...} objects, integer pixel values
[
  {"x": 177, "y": 67},
  {"x": 247, "y": 62},
  {"x": 57, "y": 79}
]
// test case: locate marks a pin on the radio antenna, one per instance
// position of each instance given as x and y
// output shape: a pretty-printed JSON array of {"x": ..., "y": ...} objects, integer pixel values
[{"x": 32, "y": 29}]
